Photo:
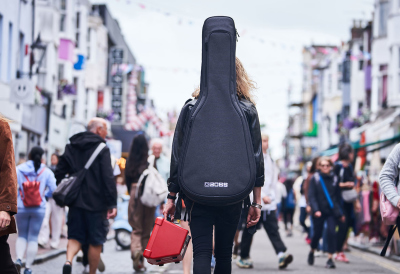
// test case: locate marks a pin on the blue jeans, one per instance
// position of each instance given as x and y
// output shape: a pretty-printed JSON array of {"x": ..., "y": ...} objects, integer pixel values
[{"x": 29, "y": 222}]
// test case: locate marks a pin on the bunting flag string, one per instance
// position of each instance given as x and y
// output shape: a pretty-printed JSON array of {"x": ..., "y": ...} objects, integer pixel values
[
  {"x": 189, "y": 21},
  {"x": 135, "y": 121}
]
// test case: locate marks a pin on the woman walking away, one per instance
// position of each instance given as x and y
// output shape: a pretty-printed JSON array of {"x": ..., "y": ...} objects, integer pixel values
[
  {"x": 225, "y": 218},
  {"x": 141, "y": 218},
  {"x": 324, "y": 197},
  {"x": 33, "y": 178},
  {"x": 8, "y": 196},
  {"x": 345, "y": 173}
]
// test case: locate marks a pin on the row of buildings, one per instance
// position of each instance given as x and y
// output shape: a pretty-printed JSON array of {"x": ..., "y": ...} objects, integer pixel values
[
  {"x": 350, "y": 93},
  {"x": 63, "y": 62}
]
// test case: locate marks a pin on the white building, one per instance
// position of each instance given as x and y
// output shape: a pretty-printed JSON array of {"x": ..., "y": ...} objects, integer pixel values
[
  {"x": 385, "y": 98},
  {"x": 330, "y": 104},
  {"x": 15, "y": 39}
]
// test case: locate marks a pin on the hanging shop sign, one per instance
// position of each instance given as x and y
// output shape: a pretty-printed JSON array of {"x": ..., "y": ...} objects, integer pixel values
[
  {"x": 309, "y": 142},
  {"x": 22, "y": 91},
  {"x": 116, "y": 80}
]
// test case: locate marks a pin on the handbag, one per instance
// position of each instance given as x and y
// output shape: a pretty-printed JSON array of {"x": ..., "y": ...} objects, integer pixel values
[
  {"x": 350, "y": 195},
  {"x": 68, "y": 190},
  {"x": 389, "y": 213}
]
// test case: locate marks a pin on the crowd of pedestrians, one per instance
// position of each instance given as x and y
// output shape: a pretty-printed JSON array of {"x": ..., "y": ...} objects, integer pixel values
[{"x": 328, "y": 198}]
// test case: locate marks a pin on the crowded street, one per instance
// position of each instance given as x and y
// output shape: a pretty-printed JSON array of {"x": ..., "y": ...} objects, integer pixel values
[{"x": 118, "y": 262}]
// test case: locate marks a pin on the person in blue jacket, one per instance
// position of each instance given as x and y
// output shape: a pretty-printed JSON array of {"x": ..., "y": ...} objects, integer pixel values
[{"x": 32, "y": 204}]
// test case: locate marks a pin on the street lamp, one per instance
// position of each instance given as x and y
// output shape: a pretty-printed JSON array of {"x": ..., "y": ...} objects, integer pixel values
[{"x": 38, "y": 45}]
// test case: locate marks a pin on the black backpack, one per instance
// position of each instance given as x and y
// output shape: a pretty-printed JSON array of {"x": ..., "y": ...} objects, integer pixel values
[{"x": 217, "y": 163}]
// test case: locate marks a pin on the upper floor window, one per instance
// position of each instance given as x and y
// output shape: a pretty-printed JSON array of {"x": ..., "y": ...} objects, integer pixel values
[
  {"x": 62, "y": 22},
  {"x": 383, "y": 16},
  {"x": 78, "y": 17},
  {"x": 63, "y": 4}
]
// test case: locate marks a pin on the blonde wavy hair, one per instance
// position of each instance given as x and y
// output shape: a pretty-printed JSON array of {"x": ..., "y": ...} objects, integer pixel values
[
  {"x": 4, "y": 119},
  {"x": 244, "y": 84}
]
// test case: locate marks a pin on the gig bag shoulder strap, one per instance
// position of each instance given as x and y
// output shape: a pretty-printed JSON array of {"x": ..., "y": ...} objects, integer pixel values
[{"x": 94, "y": 155}]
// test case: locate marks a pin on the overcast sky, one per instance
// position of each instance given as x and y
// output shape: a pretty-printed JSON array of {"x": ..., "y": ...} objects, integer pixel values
[{"x": 165, "y": 37}]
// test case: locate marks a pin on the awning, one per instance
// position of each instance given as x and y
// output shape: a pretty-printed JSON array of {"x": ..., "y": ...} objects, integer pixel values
[
  {"x": 125, "y": 136},
  {"x": 356, "y": 145}
]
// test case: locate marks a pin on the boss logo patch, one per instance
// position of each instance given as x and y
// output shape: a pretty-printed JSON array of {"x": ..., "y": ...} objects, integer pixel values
[{"x": 215, "y": 184}]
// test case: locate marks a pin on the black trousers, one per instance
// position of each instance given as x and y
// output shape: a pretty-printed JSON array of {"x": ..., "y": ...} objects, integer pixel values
[
  {"x": 303, "y": 217},
  {"x": 270, "y": 223},
  {"x": 348, "y": 210},
  {"x": 7, "y": 266},
  {"x": 202, "y": 221},
  {"x": 288, "y": 217},
  {"x": 319, "y": 229}
]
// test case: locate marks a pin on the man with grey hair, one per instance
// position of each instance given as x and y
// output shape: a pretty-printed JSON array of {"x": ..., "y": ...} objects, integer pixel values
[
  {"x": 97, "y": 199},
  {"x": 162, "y": 162}
]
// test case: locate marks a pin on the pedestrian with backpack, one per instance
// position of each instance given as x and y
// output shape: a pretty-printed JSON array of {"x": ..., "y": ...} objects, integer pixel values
[
  {"x": 349, "y": 197},
  {"x": 217, "y": 158},
  {"x": 148, "y": 190},
  {"x": 288, "y": 207},
  {"x": 324, "y": 199},
  {"x": 268, "y": 218},
  {"x": 33, "y": 179}
]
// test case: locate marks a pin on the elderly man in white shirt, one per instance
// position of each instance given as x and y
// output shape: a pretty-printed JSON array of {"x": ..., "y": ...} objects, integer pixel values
[{"x": 268, "y": 215}]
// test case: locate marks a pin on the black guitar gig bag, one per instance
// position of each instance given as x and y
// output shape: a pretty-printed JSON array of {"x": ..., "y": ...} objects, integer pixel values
[{"x": 217, "y": 165}]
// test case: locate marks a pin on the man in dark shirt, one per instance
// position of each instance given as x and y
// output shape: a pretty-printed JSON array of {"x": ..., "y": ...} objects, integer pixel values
[{"x": 97, "y": 199}]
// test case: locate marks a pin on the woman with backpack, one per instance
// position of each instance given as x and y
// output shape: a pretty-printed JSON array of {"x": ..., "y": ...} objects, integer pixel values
[
  {"x": 324, "y": 199},
  {"x": 140, "y": 217},
  {"x": 202, "y": 217},
  {"x": 33, "y": 179}
]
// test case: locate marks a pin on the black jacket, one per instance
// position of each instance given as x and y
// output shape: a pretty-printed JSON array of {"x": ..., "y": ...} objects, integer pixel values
[
  {"x": 98, "y": 190},
  {"x": 254, "y": 125},
  {"x": 317, "y": 198}
]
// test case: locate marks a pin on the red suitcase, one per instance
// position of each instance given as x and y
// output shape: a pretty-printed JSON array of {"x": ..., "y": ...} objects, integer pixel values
[{"x": 167, "y": 244}]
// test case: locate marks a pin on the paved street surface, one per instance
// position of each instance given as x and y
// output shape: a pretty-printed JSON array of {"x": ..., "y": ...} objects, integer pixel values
[{"x": 265, "y": 260}]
